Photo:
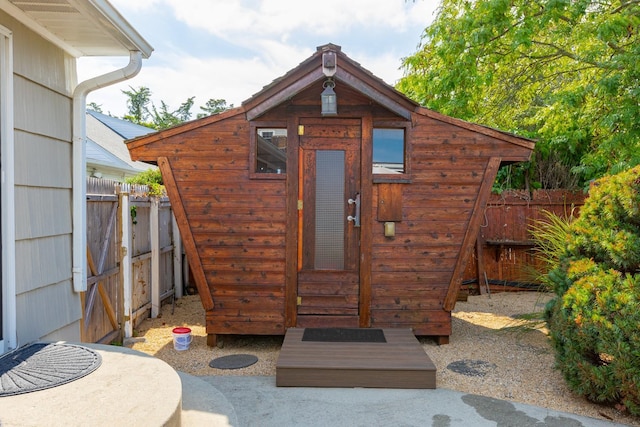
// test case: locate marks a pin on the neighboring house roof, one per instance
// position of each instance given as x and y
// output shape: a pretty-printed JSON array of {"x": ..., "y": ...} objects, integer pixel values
[
  {"x": 105, "y": 143},
  {"x": 99, "y": 156},
  {"x": 124, "y": 128},
  {"x": 82, "y": 28}
]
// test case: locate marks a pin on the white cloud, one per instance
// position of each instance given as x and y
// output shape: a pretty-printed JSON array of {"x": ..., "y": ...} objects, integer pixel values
[
  {"x": 244, "y": 20},
  {"x": 254, "y": 42}
]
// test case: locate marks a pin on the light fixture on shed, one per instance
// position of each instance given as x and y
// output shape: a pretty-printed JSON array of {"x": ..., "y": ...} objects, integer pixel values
[{"x": 329, "y": 100}]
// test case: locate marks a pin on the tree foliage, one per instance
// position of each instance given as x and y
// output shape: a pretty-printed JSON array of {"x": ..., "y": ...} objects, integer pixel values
[
  {"x": 213, "y": 106},
  {"x": 152, "y": 178},
  {"x": 141, "y": 110},
  {"x": 138, "y": 101},
  {"x": 594, "y": 319},
  {"x": 564, "y": 72}
]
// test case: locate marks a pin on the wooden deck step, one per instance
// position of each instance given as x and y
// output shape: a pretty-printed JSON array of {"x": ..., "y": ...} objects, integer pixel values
[{"x": 400, "y": 362}]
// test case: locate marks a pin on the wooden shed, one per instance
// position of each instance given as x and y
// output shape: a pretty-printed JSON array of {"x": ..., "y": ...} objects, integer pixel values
[{"x": 294, "y": 214}]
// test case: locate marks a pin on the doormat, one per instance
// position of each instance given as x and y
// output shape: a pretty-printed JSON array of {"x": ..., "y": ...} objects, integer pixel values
[
  {"x": 343, "y": 335},
  {"x": 40, "y": 366},
  {"x": 233, "y": 361}
]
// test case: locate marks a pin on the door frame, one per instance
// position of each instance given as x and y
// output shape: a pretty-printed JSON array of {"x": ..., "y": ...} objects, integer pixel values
[{"x": 293, "y": 218}]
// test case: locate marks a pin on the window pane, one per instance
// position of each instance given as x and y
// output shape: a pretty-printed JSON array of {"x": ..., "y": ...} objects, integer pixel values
[
  {"x": 271, "y": 150},
  {"x": 330, "y": 211},
  {"x": 388, "y": 151}
]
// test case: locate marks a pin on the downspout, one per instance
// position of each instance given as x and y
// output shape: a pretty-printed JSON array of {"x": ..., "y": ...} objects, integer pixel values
[{"x": 79, "y": 161}]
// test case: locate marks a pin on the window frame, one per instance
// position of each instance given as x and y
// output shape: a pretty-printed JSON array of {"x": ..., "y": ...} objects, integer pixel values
[
  {"x": 253, "y": 146},
  {"x": 404, "y": 177}
]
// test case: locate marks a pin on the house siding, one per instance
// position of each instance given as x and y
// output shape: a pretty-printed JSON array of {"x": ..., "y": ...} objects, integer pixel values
[
  {"x": 44, "y": 75},
  {"x": 43, "y": 161}
]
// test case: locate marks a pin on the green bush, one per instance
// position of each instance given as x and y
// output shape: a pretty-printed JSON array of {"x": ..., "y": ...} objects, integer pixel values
[
  {"x": 152, "y": 178},
  {"x": 595, "y": 319}
]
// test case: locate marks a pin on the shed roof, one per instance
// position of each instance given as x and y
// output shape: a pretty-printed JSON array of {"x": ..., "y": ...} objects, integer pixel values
[
  {"x": 82, "y": 28},
  {"x": 349, "y": 73}
]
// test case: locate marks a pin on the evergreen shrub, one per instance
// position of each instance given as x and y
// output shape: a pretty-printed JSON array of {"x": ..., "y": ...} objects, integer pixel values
[{"x": 595, "y": 318}]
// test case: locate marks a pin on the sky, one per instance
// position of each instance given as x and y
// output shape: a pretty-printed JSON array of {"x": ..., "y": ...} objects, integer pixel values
[{"x": 231, "y": 49}]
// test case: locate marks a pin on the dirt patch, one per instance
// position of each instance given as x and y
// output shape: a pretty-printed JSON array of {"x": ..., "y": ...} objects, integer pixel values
[{"x": 493, "y": 329}]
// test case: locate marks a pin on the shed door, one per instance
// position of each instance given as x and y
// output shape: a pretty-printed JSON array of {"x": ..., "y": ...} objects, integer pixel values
[{"x": 328, "y": 259}]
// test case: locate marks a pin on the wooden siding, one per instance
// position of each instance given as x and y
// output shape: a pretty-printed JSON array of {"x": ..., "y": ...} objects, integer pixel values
[
  {"x": 412, "y": 271},
  {"x": 506, "y": 247},
  {"x": 238, "y": 229},
  {"x": 243, "y": 231}
]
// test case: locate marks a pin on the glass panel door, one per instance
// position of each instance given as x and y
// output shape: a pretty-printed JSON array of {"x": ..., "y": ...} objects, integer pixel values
[
  {"x": 328, "y": 236},
  {"x": 330, "y": 210}
]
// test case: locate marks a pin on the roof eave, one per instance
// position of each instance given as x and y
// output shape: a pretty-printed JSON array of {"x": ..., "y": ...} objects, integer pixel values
[
  {"x": 310, "y": 71},
  {"x": 495, "y": 133},
  {"x": 117, "y": 25},
  {"x": 102, "y": 15}
]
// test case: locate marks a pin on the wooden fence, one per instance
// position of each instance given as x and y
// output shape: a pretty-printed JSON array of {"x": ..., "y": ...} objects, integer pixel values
[
  {"x": 134, "y": 259},
  {"x": 504, "y": 258}
]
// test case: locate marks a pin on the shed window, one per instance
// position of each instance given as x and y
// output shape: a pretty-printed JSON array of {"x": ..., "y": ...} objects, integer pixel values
[
  {"x": 388, "y": 151},
  {"x": 271, "y": 150}
]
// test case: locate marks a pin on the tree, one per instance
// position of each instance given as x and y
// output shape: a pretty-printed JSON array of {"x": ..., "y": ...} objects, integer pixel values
[
  {"x": 95, "y": 107},
  {"x": 214, "y": 106},
  {"x": 142, "y": 111},
  {"x": 138, "y": 106},
  {"x": 152, "y": 178},
  {"x": 164, "y": 119},
  {"x": 563, "y": 72}
]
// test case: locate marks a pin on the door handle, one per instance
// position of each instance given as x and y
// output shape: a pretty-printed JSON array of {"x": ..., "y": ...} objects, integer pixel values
[{"x": 356, "y": 217}]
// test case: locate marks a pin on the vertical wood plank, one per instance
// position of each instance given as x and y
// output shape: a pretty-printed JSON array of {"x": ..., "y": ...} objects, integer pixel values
[
  {"x": 366, "y": 219},
  {"x": 293, "y": 220},
  {"x": 125, "y": 264},
  {"x": 154, "y": 233},
  {"x": 471, "y": 233},
  {"x": 480, "y": 265},
  {"x": 178, "y": 284},
  {"x": 121, "y": 270}
]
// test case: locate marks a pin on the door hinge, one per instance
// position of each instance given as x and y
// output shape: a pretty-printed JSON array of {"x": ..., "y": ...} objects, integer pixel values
[
  {"x": 299, "y": 205},
  {"x": 299, "y": 301},
  {"x": 300, "y": 130}
]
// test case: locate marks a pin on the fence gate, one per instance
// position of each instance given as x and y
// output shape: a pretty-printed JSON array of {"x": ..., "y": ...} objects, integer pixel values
[
  {"x": 134, "y": 259},
  {"x": 101, "y": 311}
]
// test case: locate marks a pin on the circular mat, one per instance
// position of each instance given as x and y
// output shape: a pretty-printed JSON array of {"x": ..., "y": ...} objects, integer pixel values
[
  {"x": 44, "y": 365},
  {"x": 471, "y": 368},
  {"x": 233, "y": 361}
]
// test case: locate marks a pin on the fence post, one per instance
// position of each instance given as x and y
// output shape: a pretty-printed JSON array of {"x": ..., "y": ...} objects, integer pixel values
[
  {"x": 177, "y": 258},
  {"x": 154, "y": 224},
  {"x": 125, "y": 264}
]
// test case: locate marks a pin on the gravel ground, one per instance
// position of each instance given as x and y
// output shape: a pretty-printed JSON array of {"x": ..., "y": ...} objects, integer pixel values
[{"x": 492, "y": 352}]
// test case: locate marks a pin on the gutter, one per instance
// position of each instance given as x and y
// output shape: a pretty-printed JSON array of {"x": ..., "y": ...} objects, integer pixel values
[{"x": 79, "y": 161}]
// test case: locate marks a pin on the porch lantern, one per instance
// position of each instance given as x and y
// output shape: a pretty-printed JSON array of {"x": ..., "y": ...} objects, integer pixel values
[{"x": 329, "y": 101}]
